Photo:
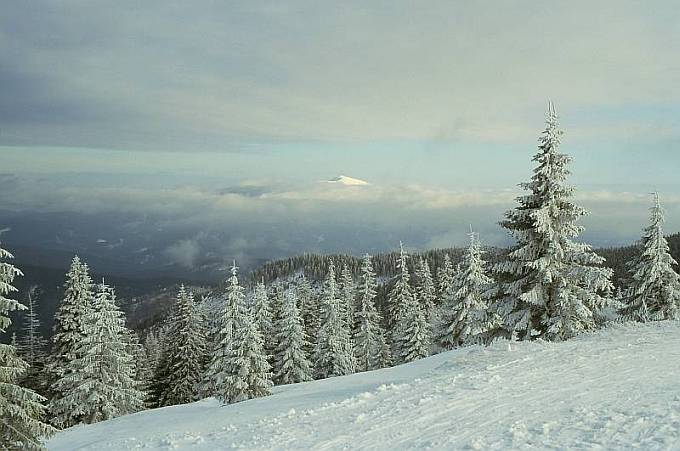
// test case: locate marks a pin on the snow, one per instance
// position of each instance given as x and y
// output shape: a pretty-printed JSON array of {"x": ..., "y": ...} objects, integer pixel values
[
  {"x": 349, "y": 181},
  {"x": 615, "y": 388}
]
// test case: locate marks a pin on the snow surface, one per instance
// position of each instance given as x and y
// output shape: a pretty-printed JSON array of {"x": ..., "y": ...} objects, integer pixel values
[
  {"x": 350, "y": 181},
  {"x": 617, "y": 388}
]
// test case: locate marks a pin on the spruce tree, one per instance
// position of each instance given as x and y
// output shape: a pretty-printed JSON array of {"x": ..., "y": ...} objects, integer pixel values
[
  {"x": 309, "y": 310},
  {"x": 181, "y": 368},
  {"x": 370, "y": 349},
  {"x": 231, "y": 320},
  {"x": 346, "y": 294},
  {"x": 425, "y": 289},
  {"x": 262, "y": 311},
  {"x": 248, "y": 369},
  {"x": 654, "y": 292},
  {"x": 445, "y": 276},
  {"x": 21, "y": 409},
  {"x": 333, "y": 355},
  {"x": 276, "y": 306},
  {"x": 69, "y": 333},
  {"x": 464, "y": 318},
  {"x": 410, "y": 330},
  {"x": 32, "y": 347},
  {"x": 292, "y": 365},
  {"x": 101, "y": 380},
  {"x": 549, "y": 284}
]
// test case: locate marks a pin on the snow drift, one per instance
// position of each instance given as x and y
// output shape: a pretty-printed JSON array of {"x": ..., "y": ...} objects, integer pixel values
[{"x": 617, "y": 388}]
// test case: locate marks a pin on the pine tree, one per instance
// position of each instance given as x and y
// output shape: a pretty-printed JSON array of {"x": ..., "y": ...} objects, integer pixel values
[
  {"x": 101, "y": 379},
  {"x": 21, "y": 409},
  {"x": 292, "y": 365},
  {"x": 654, "y": 293},
  {"x": 181, "y": 368},
  {"x": 425, "y": 289},
  {"x": 346, "y": 294},
  {"x": 464, "y": 317},
  {"x": 445, "y": 276},
  {"x": 247, "y": 369},
  {"x": 549, "y": 284},
  {"x": 333, "y": 353},
  {"x": 32, "y": 347},
  {"x": 231, "y": 320},
  {"x": 370, "y": 349},
  {"x": 69, "y": 333}
]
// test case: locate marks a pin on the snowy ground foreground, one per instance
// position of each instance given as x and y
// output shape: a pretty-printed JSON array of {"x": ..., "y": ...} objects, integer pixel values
[{"x": 618, "y": 388}]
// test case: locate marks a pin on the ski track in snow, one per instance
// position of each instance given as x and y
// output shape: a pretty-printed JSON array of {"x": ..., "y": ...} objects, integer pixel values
[{"x": 615, "y": 389}]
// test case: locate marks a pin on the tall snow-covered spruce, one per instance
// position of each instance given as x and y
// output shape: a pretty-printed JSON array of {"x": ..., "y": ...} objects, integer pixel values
[
  {"x": 181, "y": 367},
  {"x": 309, "y": 310},
  {"x": 242, "y": 367},
  {"x": 425, "y": 289},
  {"x": 21, "y": 409},
  {"x": 101, "y": 379},
  {"x": 69, "y": 333},
  {"x": 410, "y": 330},
  {"x": 346, "y": 294},
  {"x": 654, "y": 292},
  {"x": 370, "y": 349},
  {"x": 230, "y": 321},
  {"x": 550, "y": 285},
  {"x": 464, "y": 318},
  {"x": 262, "y": 311},
  {"x": 292, "y": 364},
  {"x": 333, "y": 355},
  {"x": 445, "y": 276}
]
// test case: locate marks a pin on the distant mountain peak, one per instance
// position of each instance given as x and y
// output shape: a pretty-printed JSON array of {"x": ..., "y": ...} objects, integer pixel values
[{"x": 349, "y": 181}]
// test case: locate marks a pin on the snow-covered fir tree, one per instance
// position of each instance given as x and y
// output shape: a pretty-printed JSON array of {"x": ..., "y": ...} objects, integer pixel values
[
  {"x": 32, "y": 347},
  {"x": 309, "y": 310},
  {"x": 346, "y": 290},
  {"x": 549, "y": 284},
  {"x": 21, "y": 409},
  {"x": 248, "y": 373},
  {"x": 654, "y": 292},
  {"x": 411, "y": 331},
  {"x": 182, "y": 364},
  {"x": 370, "y": 348},
  {"x": 292, "y": 364},
  {"x": 262, "y": 311},
  {"x": 445, "y": 276},
  {"x": 402, "y": 292},
  {"x": 101, "y": 379},
  {"x": 152, "y": 346},
  {"x": 276, "y": 298},
  {"x": 142, "y": 371},
  {"x": 464, "y": 318},
  {"x": 68, "y": 337},
  {"x": 333, "y": 355},
  {"x": 231, "y": 320},
  {"x": 425, "y": 289}
]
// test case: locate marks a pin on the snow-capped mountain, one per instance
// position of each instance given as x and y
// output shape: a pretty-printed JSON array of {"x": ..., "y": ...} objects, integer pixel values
[
  {"x": 348, "y": 181},
  {"x": 613, "y": 389}
]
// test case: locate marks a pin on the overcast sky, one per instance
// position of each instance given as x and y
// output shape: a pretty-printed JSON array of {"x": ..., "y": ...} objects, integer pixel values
[{"x": 241, "y": 108}]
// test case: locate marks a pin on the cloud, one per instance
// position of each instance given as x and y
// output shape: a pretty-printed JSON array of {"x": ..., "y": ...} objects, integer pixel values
[
  {"x": 184, "y": 252},
  {"x": 172, "y": 75}
]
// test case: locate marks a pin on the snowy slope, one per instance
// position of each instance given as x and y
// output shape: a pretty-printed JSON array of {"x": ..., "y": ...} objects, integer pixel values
[{"x": 618, "y": 388}]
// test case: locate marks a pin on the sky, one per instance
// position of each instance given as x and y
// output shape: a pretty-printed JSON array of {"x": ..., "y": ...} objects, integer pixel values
[{"x": 229, "y": 116}]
